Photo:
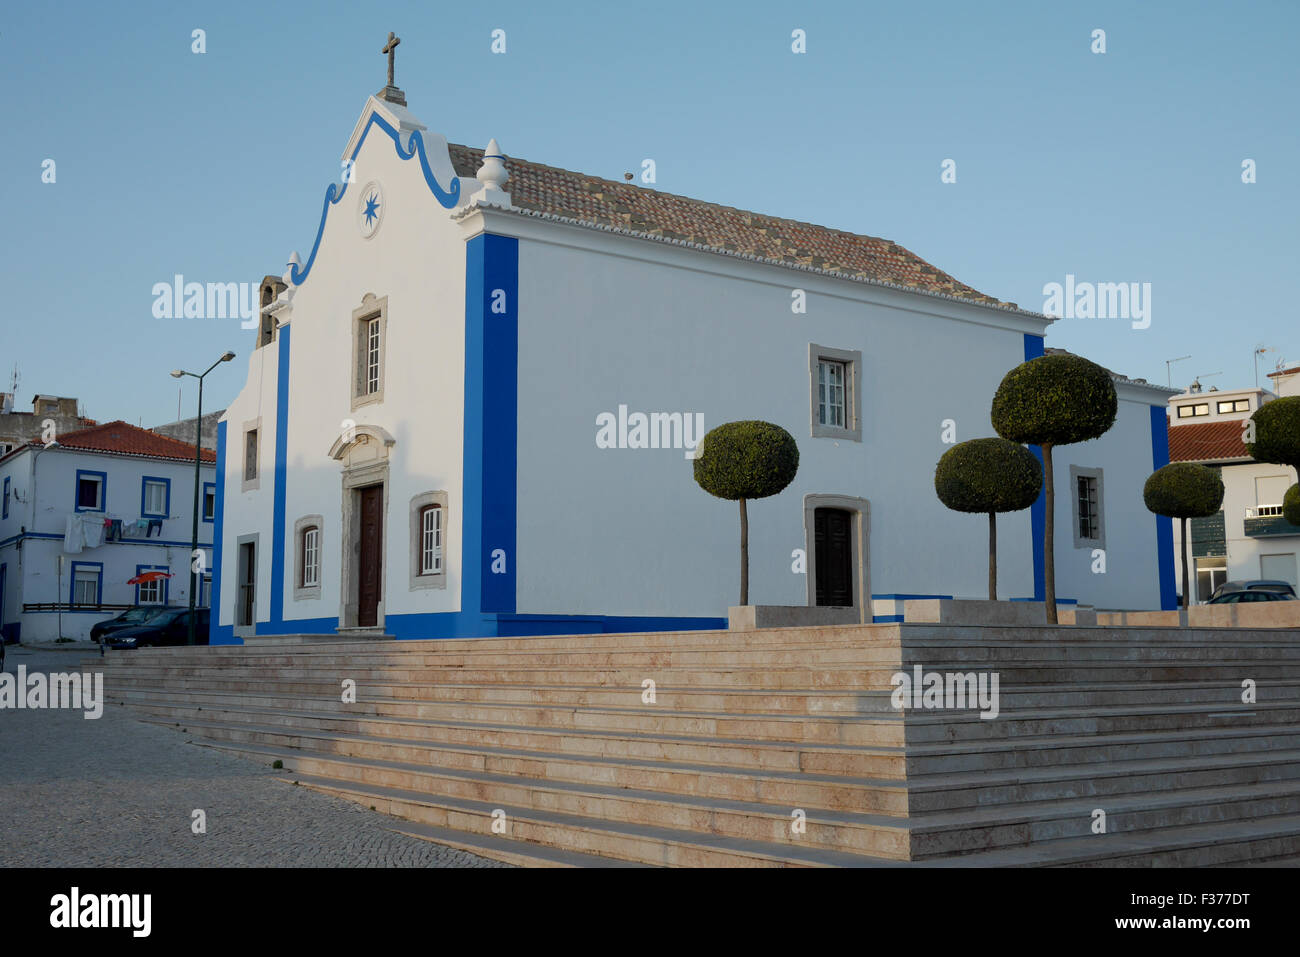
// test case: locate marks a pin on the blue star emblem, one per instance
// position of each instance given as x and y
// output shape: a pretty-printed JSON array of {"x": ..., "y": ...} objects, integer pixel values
[{"x": 372, "y": 207}]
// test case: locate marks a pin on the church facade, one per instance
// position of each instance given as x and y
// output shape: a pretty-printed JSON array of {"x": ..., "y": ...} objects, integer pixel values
[{"x": 474, "y": 401}]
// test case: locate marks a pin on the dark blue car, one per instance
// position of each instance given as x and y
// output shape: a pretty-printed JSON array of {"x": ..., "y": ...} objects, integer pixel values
[{"x": 171, "y": 627}]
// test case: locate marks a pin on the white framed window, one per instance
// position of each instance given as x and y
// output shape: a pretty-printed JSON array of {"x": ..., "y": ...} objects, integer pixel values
[
  {"x": 1089, "y": 519},
  {"x": 209, "y": 502},
  {"x": 372, "y": 356},
  {"x": 830, "y": 393},
  {"x": 309, "y": 552},
  {"x": 85, "y": 585},
  {"x": 250, "y": 478},
  {"x": 151, "y": 592},
  {"x": 369, "y": 345},
  {"x": 431, "y": 540},
  {"x": 250, "y": 455},
  {"x": 205, "y": 592},
  {"x": 429, "y": 522},
  {"x": 153, "y": 500},
  {"x": 835, "y": 380},
  {"x": 310, "y": 557}
]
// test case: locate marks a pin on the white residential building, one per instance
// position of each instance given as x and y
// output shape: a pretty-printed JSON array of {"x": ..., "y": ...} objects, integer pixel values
[
  {"x": 83, "y": 516},
  {"x": 1248, "y": 538},
  {"x": 472, "y": 402}
]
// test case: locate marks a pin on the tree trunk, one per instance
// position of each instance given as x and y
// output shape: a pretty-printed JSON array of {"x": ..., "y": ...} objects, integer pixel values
[
  {"x": 1049, "y": 538},
  {"x": 1183, "y": 541},
  {"x": 993, "y": 556},
  {"x": 744, "y": 554}
]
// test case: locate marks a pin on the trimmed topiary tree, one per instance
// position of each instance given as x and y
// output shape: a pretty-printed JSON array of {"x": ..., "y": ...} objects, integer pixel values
[
  {"x": 1049, "y": 401},
  {"x": 988, "y": 475},
  {"x": 1183, "y": 490},
  {"x": 742, "y": 461},
  {"x": 1277, "y": 433},
  {"x": 1291, "y": 505}
]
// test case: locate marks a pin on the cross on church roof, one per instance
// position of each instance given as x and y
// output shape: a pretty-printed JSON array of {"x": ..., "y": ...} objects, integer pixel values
[{"x": 390, "y": 92}]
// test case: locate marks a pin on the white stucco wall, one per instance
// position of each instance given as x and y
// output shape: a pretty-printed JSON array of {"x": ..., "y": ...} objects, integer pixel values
[
  {"x": 41, "y": 505},
  {"x": 1239, "y": 494},
  {"x": 606, "y": 320},
  {"x": 417, "y": 260}
]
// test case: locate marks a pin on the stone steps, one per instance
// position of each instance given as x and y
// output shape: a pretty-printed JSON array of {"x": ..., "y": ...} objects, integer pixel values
[
  {"x": 731, "y": 749},
  {"x": 851, "y": 833},
  {"x": 751, "y": 731},
  {"x": 932, "y": 656},
  {"x": 824, "y": 728}
]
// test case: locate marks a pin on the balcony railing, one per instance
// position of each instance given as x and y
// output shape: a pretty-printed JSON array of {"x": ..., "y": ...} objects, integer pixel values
[
  {"x": 1266, "y": 521},
  {"x": 1263, "y": 511}
]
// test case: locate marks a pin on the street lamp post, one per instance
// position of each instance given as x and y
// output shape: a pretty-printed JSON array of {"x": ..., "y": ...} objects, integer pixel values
[{"x": 198, "y": 453}]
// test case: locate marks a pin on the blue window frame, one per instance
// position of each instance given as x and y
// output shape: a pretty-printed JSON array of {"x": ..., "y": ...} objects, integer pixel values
[
  {"x": 155, "y": 497},
  {"x": 5, "y": 512},
  {"x": 209, "y": 502},
  {"x": 78, "y": 594},
  {"x": 152, "y": 593},
  {"x": 91, "y": 491}
]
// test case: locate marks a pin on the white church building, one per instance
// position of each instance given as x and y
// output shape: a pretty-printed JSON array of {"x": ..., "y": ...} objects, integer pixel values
[{"x": 472, "y": 405}]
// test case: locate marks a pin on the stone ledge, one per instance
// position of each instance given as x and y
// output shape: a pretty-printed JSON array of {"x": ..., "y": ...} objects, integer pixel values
[{"x": 753, "y": 617}]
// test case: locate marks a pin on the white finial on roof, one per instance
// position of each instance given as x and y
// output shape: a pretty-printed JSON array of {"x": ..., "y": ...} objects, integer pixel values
[
  {"x": 493, "y": 175},
  {"x": 293, "y": 263}
]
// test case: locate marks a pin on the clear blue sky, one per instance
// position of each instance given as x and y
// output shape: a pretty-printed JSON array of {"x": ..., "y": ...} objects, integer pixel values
[{"x": 1117, "y": 168}]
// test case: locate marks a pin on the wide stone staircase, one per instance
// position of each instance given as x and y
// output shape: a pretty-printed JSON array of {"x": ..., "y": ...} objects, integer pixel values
[{"x": 778, "y": 747}]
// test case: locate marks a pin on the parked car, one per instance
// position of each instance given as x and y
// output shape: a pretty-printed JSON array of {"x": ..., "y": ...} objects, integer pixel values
[
  {"x": 171, "y": 627},
  {"x": 128, "y": 619},
  {"x": 1254, "y": 584},
  {"x": 1237, "y": 597}
]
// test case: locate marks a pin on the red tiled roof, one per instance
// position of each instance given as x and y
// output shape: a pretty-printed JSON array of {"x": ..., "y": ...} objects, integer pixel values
[
  {"x": 126, "y": 439},
  {"x": 1279, "y": 372},
  {"x": 1207, "y": 442},
  {"x": 604, "y": 202}
]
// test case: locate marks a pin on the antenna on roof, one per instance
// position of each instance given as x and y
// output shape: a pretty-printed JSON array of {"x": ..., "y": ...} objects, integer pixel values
[
  {"x": 1259, "y": 351},
  {"x": 1169, "y": 362}
]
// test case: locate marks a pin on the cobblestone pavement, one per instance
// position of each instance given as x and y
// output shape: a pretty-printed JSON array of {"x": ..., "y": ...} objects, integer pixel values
[{"x": 118, "y": 792}]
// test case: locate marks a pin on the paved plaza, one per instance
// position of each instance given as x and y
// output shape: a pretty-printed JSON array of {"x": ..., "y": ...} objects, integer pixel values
[{"x": 115, "y": 792}]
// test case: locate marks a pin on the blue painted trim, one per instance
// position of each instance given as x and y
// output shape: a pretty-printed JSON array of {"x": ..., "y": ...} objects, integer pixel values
[
  {"x": 214, "y": 623},
  {"x": 99, "y": 584},
  {"x": 1164, "y": 524},
  {"x": 203, "y": 502},
  {"x": 55, "y": 537},
  {"x": 5, "y": 513},
  {"x": 897, "y": 597},
  {"x": 1038, "y": 511},
  {"x": 464, "y": 625},
  {"x": 491, "y": 426},
  {"x": 281, "y": 458},
  {"x": 103, "y": 492},
  {"x": 4, "y": 584},
  {"x": 167, "y": 496},
  {"x": 166, "y": 582},
  {"x": 886, "y": 619},
  {"x": 447, "y": 198}
]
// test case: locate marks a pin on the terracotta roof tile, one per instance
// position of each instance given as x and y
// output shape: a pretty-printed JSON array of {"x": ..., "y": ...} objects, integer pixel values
[
  {"x": 126, "y": 439},
  {"x": 603, "y": 202},
  {"x": 1207, "y": 442}
]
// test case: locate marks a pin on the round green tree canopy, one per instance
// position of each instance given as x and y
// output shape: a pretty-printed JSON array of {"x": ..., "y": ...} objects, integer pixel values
[
  {"x": 1277, "y": 432},
  {"x": 988, "y": 475},
  {"x": 747, "y": 460},
  {"x": 1183, "y": 490},
  {"x": 1291, "y": 505},
  {"x": 1055, "y": 399}
]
